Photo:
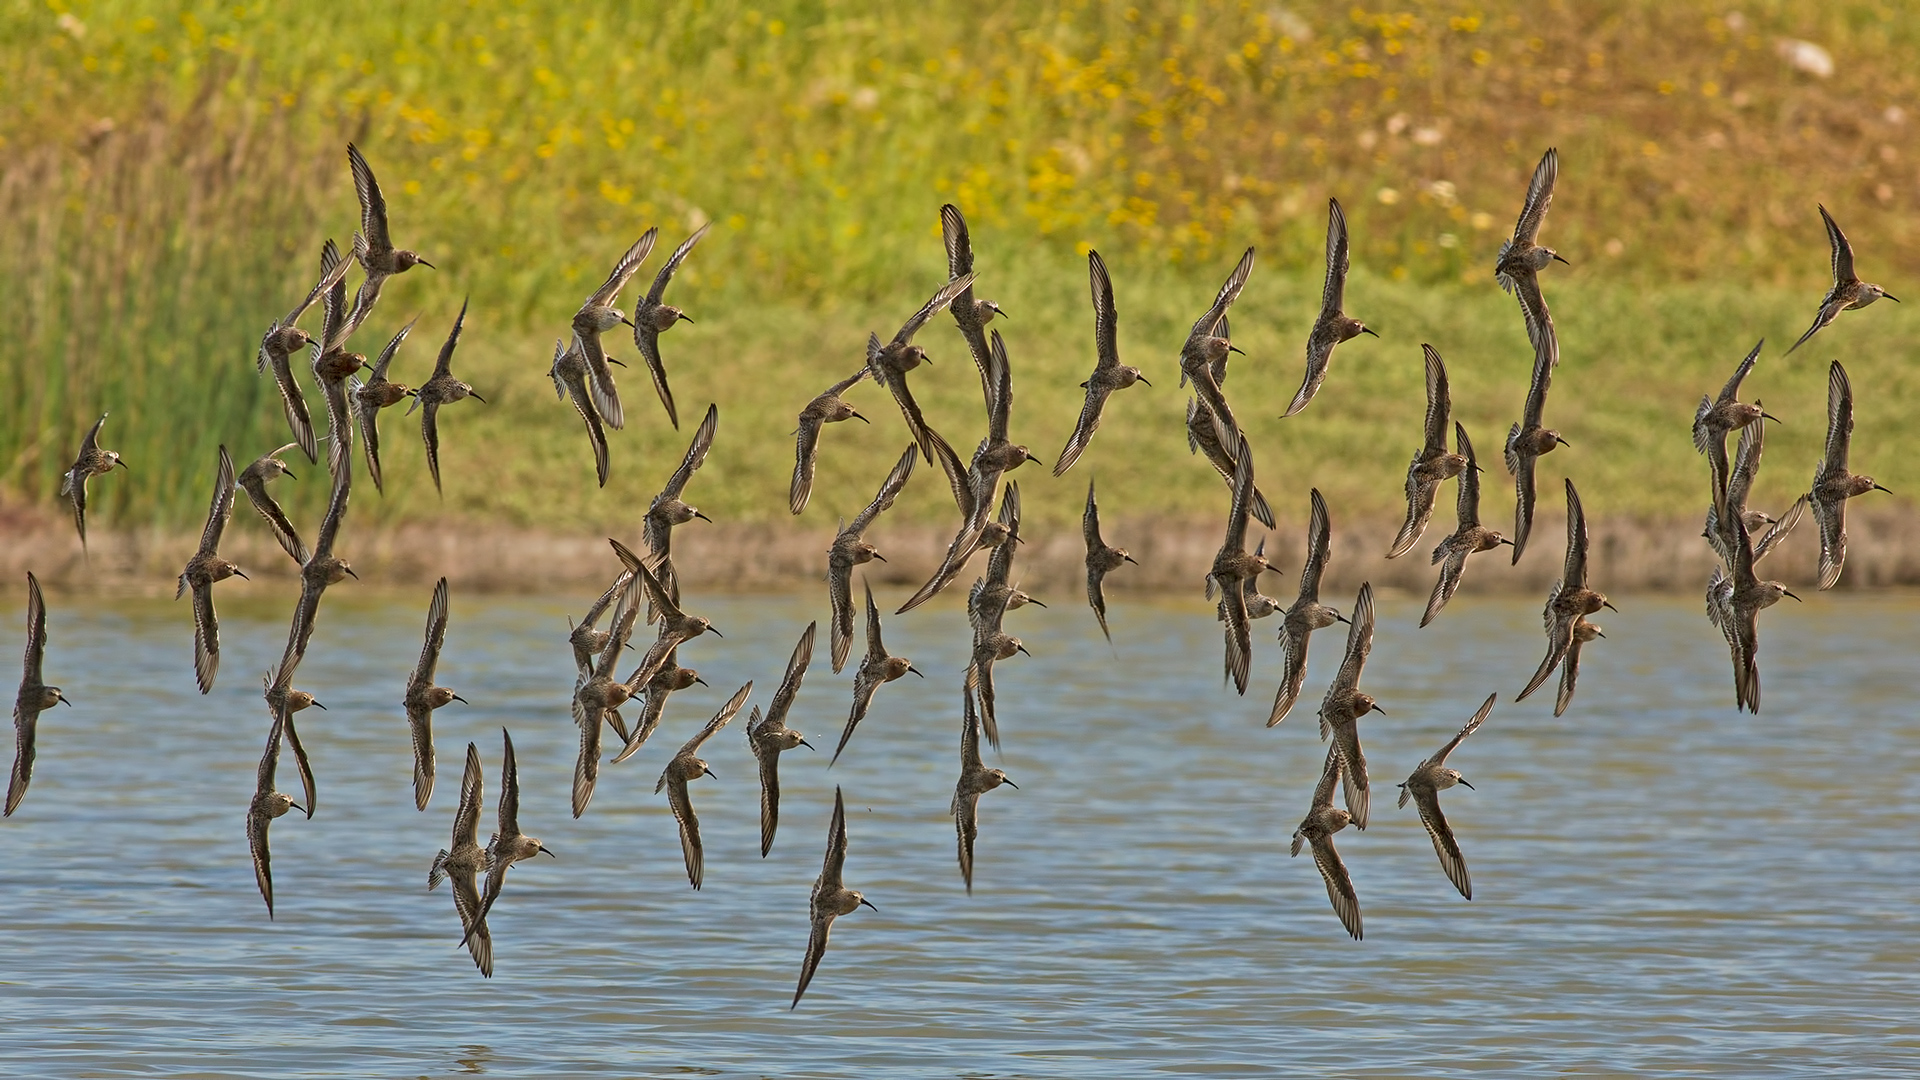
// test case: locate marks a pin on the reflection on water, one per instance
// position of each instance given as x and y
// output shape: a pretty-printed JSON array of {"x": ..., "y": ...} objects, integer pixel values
[{"x": 1661, "y": 883}]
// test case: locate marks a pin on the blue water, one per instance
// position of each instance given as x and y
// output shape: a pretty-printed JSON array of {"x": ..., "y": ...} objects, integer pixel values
[{"x": 1661, "y": 883}]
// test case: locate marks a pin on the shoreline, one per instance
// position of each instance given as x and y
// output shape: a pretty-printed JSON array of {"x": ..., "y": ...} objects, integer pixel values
[{"x": 1626, "y": 555}]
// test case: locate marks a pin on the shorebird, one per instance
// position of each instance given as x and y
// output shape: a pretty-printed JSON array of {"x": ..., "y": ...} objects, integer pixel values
[
  {"x": 1470, "y": 536},
  {"x": 676, "y": 628},
  {"x": 1203, "y": 438},
  {"x": 1307, "y": 613},
  {"x": 1718, "y": 416},
  {"x": 1102, "y": 560},
  {"x": 1735, "y": 598},
  {"x": 375, "y": 394},
  {"x": 321, "y": 569},
  {"x": 372, "y": 246},
  {"x": 1746, "y": 465},
  {"x": 876, "y": 670},
  {"x": 601, "y": 313},
  {"x": 597, "y": 698},
  {"x": 254, "y": 480},
  {"x": 685, "y": 767},
  {"x": 205, "y": 568},
  {"x": 826, "y": 409},
  {"x": 993, "y": 594},
  {"x": 423, "y": 696},
  {"x": 1431, "y": 464},
  {"x": 890, "y": 362},
  {"x": 977, "y": 533},
  {"x": 1333, "y": 326},
  {"x": 1429, "y": 779},
  {"x": 975, "y": 780},
  {"x": 587, "y": 641},
  {"x": 850, "y": 549},
  {"x": 1258, "y": 604},
  {"x": 441, "y": 389},
  {"x": 970, "y": 312},
  {"x": 1521, "y": 259},
  {"x": 1231, "y": 567},
  {"x": 667, "y": 510},
  {"x": 465, "y": 862},
  {"x": 771, "y": 737},
  {"x": 569, "y": 374},
  {"x": 1570, "y": 601},
  {"x": 1109, "y": 374},
  {"x": 1203, "y": 358},
  {"x": 34, "y": 697},
  {"x": 333, "y": 363},
  {"x": 508, "y": 845},
  {"x": 1316, "y": 829},
  {"x": 1526, "y": 441},
  {"x": 670, "y": 679},
  {"x": 267, "y": 804},
  {"x": 990, "y": 644},
  {"x": 1346, "y": 703},
  {"x": 1848, "y": 290},
  {"x": 1833, "y": 485},
  {"x": 92, "y": 461},
  {"x": 996, "y": 454},
  {"x": 831, "y": 898},
  {"x": 651, "y": 318},
  {"x": 283, "y": 339},
  {"x": 282, "y": 702}
]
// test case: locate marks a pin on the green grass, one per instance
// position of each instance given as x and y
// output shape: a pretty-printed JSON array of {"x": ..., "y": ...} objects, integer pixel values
[{"x": 168, "y": 180}]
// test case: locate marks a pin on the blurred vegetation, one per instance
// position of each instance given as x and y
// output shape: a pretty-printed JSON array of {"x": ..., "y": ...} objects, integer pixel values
[{"x": 167, "y": 179}]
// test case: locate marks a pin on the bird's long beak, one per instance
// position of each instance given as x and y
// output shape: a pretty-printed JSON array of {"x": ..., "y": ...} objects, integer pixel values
[
  {"x": 624, "y": 319},
  {"x": 686, "y": 318},
  {"x": 1784, "y": 592},
  {"x": 1368, "y": 330},
  {"x": 711, "y": 773},
  {"x": 1130, "y": 559},
  {"x": 1507, "y": 542},
  {"x": 1877, "y": 487},
  {"x": 289, "y": 473},
  {"x": 1599, "y": 632},
  {"x": 702, "y": 681},
  {"x": 1036, "y": 603},
  {"x": 715, "y": 633},
  {"x": 64, "y": 701},
  {"x": 879, "y": 556},
  {"x": 350, "y": 573},
  {"x": 703, "y": 517},
  {"x": 1891, "y": 297},
  {"x": 1236, "y": 348},
  {"x": 1023, "y": 649},
  {"x": 241, "y": 574},
  {"x": 1561, "y": 441},
  {"x": 122, "y": 462},
  {"x": 461, "y": 700},
  {"x": 321, "y": 707},
  {"x": 1143, "y": 378},
  {"x": 1770, "y": 416},
  {"x": 1608, "y": 604},
  {"x": 1464, "y": 784},
  {"x": 809, "y": 746},
  {"x": 1378, "y": 709},
  {"x": 1010, "y": 783},
  {"x": 298, "y": 807},
  {"x": 476, "y": 397},
  {"x": 861, "y": 418},
  {"x": 1343, "y": 618},
  {"x": 424, "y": 263},
  {"x": 863, "y": 900},
  {"x": 1558, "y": 259},
  {"x": 548, "y": 851},
  {"x": 617, "y": 363},
  {"x": 923, "y": 674}
]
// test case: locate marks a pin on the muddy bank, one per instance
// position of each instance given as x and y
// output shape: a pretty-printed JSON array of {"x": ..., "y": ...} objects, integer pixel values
[{"x": 1628, "y": 555}]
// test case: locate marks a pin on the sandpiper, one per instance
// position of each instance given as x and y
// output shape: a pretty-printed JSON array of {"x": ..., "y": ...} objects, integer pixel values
[
  {"x": 1203, "y": 358},
  {"x": 1570, "y": 601},
  {"x": 1735, "y": 598},
  {"x": 205, "y": 568},
  {"x": 508, "y": 845},
  {"x": 990, "y": 644},
  {"x": 283, "y": 339},
  {"x": 685, "y": 767},
  {"x": 1316, "y": 829},
  {"x": 1526, "y": 441},
  {"x": 1431, "y": 464},
  {"x": 1522, "y": 258},
  {"x": 601, "y": 313},
  {"x": 994, "y": 594},
  {"x": 423, "y": 696},
  {"x": 826, "y": 409},
  {"x": 1746, "y": 465},
  {"x": 587, "y": 641},
  {"x": 267, "y": 804},
  {"x": 465, "y": 862},
  {"x": 282, "y": 702},
  {"x": 670, "y": 679},
  {"x": 1109, "y": 374},
  {"x": 970, "y": 312},
  {"x": 1203, "y": 438},
  {"x": 375, "y": 394},
  {"x": 676, "y": 628},
  {"x": 441, "y": 389},
  {"x": 1232, "y": 566},
  {"x": 975, "y": 780},
  {"x": 254, "y": 480},
  {"x": 569, "y": 374},
  {"x": 596, "y": 699},
  {"x": 667, "y": 510},
  {"x": 1307, "y": 613},
  {"x": 34, "y": 696},
  {"x": 1718, "y": 416},
  {"x": 771, "y": 737},
  {"x": 1583, "y": 632},
  {"x": 333, "y": 363},
  {"x": 831, "y": 898},
  {"x": 372, "y": 245},
  {"x": 1102, "y": 560},
  {"x": 92, "y": 462},
  {"x": 997, "y": 454},
  {"x": 1833, "y": 485},
  {"x": 651, "y": 318},
  {"x": 1333, "y": 326},
  {"x": 890, "y": 362},
  {"x": 1346, "y": 703},
  {"x": 1470, "y": 536},
  {"x": 1429, "y": 779},
  {"x": 1848, "y": 290},
  {"x": 850, "y": 549},
  {"x": 876, "y": 670},
  {"x": 321, "y": 569}
]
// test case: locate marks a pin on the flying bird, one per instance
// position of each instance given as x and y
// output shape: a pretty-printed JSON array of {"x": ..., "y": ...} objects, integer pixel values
[
  {"x": 1102, "y": 559},
  {"x": 1570, "y": 601},
  {"x": 828, "y": 408},
  {"x": 1306, "y": 614},
  {"x": 1109, "y": 374},
  {"x": 1848, "y": 290},
  {"x": 441, "y": 389},
  {"x": 1333, "y": 326},
  {"x": 1521, "y": 259},
  {"x": 1316, "y": 830},
  {"x": 975, "y": 780},
  {"x": 1833, "y": 485},
  {"x": 1431, "y": 464},
  {"x": 771, "y": 737},
  {"x": 831, "y": 898},
  {"x": 33, "y": 698},
  {"x": 652, "y": 317},
  {"x": 1429, "y": 779},
  {"x": 686, "y": 767},
  {"x": 92, "y": 462},
  {"x": 203, "y": 570},
  {"x": 423, "y": 697}
]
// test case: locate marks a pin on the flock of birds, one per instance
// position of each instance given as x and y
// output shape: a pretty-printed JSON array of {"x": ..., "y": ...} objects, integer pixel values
[{"x": 646, "y": 586}]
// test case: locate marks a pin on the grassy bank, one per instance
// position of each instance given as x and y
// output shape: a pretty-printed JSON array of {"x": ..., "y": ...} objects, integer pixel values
[{"x": 168, "y": 181}]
